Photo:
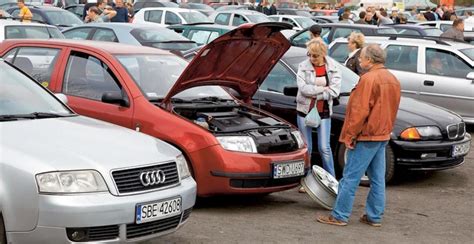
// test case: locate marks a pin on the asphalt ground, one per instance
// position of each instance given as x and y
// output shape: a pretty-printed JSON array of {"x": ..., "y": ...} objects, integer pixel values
[{"x": 433, "y": 207}]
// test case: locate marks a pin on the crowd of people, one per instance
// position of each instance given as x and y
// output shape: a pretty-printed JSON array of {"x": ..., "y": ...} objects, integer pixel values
[{"x": 108, "y": 11}]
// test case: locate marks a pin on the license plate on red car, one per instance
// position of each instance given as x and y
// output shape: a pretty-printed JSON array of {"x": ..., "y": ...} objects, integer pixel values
[
  {"x": 461, "y": 149},
  {"x": 288, "y": 169},
  {"x": 157, "y": 210}
]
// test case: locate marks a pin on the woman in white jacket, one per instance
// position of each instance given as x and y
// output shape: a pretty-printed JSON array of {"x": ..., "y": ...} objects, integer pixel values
[{"x": 319, "y": 82}]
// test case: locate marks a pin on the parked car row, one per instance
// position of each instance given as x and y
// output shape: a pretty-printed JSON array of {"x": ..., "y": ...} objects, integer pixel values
[
  {"x": 198, "y": 115},
  {"x": 69, "y": 178}
]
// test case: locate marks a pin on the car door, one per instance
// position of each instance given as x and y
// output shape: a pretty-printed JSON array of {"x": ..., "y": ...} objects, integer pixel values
[
  {"x": 403, "y": 60},
  {"x": 154, "y": 16},
  {"x": 270, "y": 95},
  {"x": 449, "y": 86},
  {"x": 82, "y": 33},
  {"x": 202, "y": 37},
  {"x": 291, "y": 22},
  {"x": 238, "y": 20},
  {"x": 104, "y": 34},
  {"x": 86, "y": 79},
  {"x": 222, "y": 19},
  {"x": 38, "y": 62},
  {"x": 172, "y": 18}
]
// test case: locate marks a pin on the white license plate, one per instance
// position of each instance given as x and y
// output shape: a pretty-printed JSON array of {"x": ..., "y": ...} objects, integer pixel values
[
  {"x": 461, "y": 149},
  {"x": 157, "y": 210},
  {"x": 286, "y": 170}
]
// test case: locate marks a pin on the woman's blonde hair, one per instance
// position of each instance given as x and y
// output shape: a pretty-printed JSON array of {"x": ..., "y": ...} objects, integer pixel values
[
  {"x": 358, "y": 39},
  {"x": 317, "y": 45}
]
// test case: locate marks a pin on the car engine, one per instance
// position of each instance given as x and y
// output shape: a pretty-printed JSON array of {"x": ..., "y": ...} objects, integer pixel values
[{"x": 269, "y": 134}]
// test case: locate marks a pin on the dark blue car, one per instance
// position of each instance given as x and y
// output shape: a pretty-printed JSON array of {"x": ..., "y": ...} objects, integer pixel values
[{"x": 50, "y": 15}]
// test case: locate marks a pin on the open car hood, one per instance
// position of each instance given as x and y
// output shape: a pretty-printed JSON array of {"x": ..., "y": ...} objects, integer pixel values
[{"x": 240, "y": 59}]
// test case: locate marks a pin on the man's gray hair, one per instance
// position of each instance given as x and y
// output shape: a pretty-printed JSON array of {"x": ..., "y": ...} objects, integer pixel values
[{"x": 374, "y": 53}]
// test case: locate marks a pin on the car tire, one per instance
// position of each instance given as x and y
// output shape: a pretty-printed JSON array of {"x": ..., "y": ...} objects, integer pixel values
[
  {"x": 3, "y": 234},
  {"x": 389, "y": 164}
]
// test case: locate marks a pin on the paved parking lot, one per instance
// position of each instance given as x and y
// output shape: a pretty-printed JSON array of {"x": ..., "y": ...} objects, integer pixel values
[{"x": 421, "y": 208}]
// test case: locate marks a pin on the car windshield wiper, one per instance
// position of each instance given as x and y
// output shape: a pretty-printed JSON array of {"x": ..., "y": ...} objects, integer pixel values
[
  {"x": 173, "y": 100},
  {"x": 35, "y": 115},
  {"x": 212, "y": 99}
]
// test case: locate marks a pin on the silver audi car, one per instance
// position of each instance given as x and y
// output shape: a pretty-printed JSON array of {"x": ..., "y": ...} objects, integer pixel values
[{"x": 65, "y": 178}]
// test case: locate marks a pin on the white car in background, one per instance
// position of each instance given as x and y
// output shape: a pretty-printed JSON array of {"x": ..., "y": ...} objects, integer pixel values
[
  {"x": 170, "y": 16},
  {"x": 444, "y": 25},
  {"x": 434, "y": 71},
  {"x": 238, "y": 17},
  {"x": 12, "y": 29},
  {"x": 298, "y": 22},
  {"x": 66, "y": 178}
]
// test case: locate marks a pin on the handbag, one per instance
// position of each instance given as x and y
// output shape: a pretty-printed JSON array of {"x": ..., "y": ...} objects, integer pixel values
[{"x": 312, "y": 119}]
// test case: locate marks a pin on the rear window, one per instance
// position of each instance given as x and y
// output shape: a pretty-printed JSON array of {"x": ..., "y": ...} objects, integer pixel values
[{"x": 33, "y": 32}]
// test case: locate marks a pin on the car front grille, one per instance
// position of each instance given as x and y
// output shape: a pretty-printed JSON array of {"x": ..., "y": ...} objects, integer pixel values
[
  {"x": 186, "y": 214},
  {"x": 103, "y": 233},
  {"x": 98, "y": 233},
  {"x": 456, "y": 131},
  {"x": 128, "y": 180},
  {"x": 139, "y": 230}
]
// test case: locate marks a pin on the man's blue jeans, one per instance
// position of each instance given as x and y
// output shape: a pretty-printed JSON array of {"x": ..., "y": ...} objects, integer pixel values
[
  {"x": 324, "y": 146},
  {"x": 370, "y": 157}
]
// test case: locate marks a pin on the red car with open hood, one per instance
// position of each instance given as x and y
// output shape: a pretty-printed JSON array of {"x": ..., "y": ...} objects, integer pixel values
[{"x": 231, "y": 147}]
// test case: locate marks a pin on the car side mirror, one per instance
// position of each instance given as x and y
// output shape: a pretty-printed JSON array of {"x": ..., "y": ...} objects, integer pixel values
[
  {"x": 290, "y": 91},
  {"x": 115, "y": 98},
  {"x": 470, "y": 76},
  {"x": 61, "y": 97}
]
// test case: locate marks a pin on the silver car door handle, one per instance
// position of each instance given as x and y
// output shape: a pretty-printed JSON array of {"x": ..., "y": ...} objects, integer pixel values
[{"x": 428, "y": 83}]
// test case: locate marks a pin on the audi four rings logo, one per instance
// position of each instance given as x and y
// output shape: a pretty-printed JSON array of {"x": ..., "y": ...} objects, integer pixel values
[{"x": 151, "y": 178}]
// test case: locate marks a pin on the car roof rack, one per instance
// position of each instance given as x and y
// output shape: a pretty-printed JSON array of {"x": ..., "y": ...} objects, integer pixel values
[{"x": 438, "y": 40}]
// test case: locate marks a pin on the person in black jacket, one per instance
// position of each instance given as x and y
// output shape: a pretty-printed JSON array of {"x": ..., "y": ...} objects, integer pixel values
[
  {"x": 355, "y": 44},
  {"x": 273, "y": 9}
]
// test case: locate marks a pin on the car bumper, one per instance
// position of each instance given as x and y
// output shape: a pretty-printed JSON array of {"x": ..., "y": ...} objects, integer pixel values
[
  {"x": 110, "y": 219},
  {"x": 428, "y": 155},
  {"x": 218, "y": 171}
]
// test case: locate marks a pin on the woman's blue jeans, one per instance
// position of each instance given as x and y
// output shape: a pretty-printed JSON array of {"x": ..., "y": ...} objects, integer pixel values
[
  {"x": 324, "y": 146},
  {"x": 366, "y": 156}
]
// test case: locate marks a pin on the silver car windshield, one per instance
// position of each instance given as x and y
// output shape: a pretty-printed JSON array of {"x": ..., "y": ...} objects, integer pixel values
[
  {"x": 305, "y": 22},
  {"x": 157, "y": 74},
  {"x": 194, "y": 17},
  {"x": 257, "y": 18},
  {"x": 19, "y": 95}
]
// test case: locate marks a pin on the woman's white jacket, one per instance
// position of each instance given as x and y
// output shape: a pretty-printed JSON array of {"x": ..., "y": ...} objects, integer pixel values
[{"x": 306, "y": 78}]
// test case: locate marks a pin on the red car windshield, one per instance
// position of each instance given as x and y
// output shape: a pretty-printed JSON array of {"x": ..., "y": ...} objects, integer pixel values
[{"x": 156, "y": 75}]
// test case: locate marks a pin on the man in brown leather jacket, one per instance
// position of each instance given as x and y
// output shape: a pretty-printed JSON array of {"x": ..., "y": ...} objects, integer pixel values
[{"x": 370, "y": 117}]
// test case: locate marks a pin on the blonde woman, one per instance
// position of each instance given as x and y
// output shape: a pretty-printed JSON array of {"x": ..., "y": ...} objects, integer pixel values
[
  {"x": 355, "y": 43},
  {"x": 319, "y": 81}
]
